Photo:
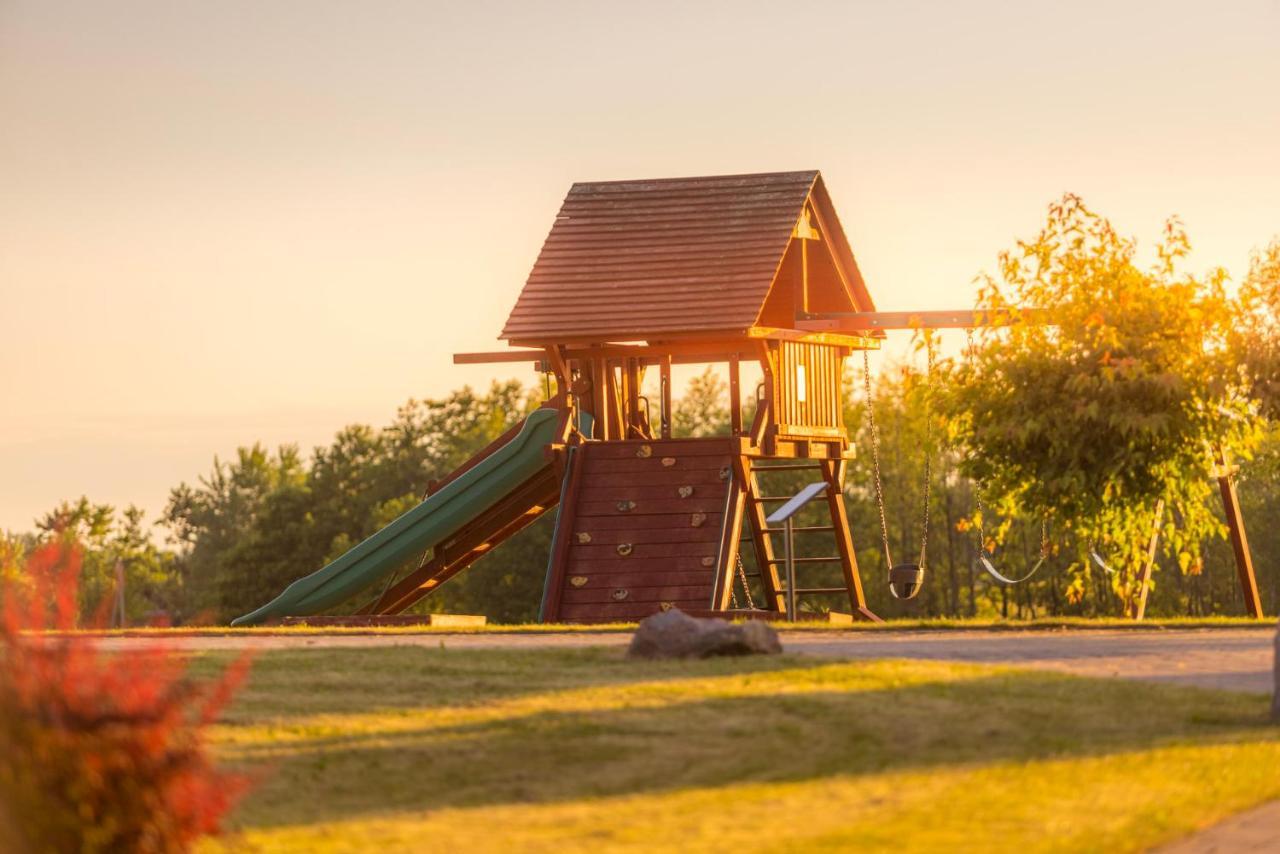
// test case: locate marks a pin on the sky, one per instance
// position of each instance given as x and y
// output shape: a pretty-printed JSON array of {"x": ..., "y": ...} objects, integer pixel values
[{"x": 231, "y": 222}]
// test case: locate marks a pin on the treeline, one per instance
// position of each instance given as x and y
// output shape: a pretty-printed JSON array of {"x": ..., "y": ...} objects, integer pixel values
[{"x": 255, "y": 523}]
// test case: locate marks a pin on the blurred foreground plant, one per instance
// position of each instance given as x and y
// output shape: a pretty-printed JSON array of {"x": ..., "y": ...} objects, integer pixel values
[{"x": 100, "y": 752}]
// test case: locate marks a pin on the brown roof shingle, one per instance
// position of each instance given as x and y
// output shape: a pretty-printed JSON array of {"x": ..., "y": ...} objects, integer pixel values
[{"x": 634, "y": 260}]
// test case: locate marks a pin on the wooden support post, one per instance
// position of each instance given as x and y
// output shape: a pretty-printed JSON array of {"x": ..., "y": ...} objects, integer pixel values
[
  {"x": 1239, "y": 539},
  {"x": 727, "y": 553},
  {"x": 735, "y": 397},
  {"x": 558, "y": 562},
  {"x": 631, "y": 369},
  {"x": 775, "y": 600},
  {"x": 833, "y": 474},
  {"x": 1144, "y": 581},
  {"x": 664, "y": 371}
]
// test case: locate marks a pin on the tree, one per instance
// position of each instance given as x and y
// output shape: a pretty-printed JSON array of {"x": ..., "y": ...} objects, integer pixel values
[
  {"x": 1100, "y": 419},
  {"x": 1256, "y": 335}
]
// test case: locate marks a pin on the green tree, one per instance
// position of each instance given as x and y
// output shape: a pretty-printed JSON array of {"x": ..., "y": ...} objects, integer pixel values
[{"x": 1095, "y": 420}]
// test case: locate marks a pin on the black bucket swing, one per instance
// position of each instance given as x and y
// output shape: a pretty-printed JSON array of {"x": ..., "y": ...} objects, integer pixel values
[{"x": 905, "y": 579}]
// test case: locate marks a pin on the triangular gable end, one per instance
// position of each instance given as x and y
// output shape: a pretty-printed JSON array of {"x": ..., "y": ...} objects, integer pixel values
[{"x": 818, "y": 272}]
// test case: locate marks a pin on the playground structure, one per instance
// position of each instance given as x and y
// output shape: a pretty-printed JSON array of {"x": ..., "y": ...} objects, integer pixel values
[{"x": 747, "y": 270}]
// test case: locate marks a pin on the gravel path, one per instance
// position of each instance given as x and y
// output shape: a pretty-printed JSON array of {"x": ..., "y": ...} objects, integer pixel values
[{"x": 1229, "y": 659}]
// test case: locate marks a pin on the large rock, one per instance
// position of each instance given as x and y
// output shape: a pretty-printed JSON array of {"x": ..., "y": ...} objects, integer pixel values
[{"x": 674, "y": 634}]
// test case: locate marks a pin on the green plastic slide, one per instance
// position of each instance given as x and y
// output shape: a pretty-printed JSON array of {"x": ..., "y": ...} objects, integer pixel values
[{"x": 430, "y": 523}]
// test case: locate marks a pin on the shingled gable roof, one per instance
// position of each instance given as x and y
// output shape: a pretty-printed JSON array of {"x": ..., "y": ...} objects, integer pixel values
[{"x": 648, "y": 260}]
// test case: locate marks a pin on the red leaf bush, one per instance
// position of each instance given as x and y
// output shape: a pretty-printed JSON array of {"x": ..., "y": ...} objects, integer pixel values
[{"x": 100, "y": 751}]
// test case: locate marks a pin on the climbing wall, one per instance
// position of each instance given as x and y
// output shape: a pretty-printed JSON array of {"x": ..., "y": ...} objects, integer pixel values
[{"x": 640, "y": 529}]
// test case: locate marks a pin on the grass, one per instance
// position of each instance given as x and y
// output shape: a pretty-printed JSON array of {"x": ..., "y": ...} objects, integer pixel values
[
  {"x": 922, "y": 624},
  {"x": 414, "y": 748}
]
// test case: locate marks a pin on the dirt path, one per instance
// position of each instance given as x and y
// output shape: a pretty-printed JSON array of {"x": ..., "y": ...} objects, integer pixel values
[{"x": 1229, "y": 659}]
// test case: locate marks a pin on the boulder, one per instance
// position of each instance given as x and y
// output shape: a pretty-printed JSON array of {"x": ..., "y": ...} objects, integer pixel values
[{"x": 674, "y": 634}]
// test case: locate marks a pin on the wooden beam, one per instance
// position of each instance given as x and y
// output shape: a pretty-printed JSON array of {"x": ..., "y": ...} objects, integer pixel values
[
  {"x": 664, "y": 378},
  {"x": 1239, "y": 539},
  {"x": 833, "y": 474},
  {"x": 1144, "y": 581},
  {"x": 868, "y": 321},
  {"x": 537, "y": 356}
]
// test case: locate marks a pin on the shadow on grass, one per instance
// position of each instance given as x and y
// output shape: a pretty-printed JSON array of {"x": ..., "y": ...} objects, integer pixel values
[{"x": 788, "y": 720}]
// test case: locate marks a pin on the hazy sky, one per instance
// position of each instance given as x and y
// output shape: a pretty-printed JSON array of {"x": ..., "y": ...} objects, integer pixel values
[{"x": 223, "y": 222}]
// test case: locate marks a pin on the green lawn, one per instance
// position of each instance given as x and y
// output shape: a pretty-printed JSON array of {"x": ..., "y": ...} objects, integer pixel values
[{"x": 432, "y": 749}]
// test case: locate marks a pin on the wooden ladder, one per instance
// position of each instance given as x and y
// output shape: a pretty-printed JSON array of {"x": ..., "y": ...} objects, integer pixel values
[{"x": 768, "y": 557}]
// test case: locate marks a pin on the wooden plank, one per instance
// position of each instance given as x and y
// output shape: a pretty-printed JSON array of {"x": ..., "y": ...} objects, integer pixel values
[
  {"x": 583, "y": 565},
  {"x": 620, "y": 577},
  {"x": 664, "y": 379},
  {"x": 641, "y": 493},
  {"x": 598, "y": 465},
  {"x": 623, "y": 482},
  {"x": 633, "y": 522},
  {"x": 644, "y": 551},
  {"x": 760, "y": 540},
  {"x": 678, "y": 532},
  {"x": 537, "y": 357},
  {"x": 735, "y": 397},
  {"x": 833, "y": 474},
  {"x": 727, "y": 548},
  {"x": 866, "y": 321},
  {"x": 703, "y": 503},
  {"x": 1239, "y": 540},
  {"x": 1144, "y": 580},
  {"x": 561, "y": 540},
  {"x": 631, "y": 448}
]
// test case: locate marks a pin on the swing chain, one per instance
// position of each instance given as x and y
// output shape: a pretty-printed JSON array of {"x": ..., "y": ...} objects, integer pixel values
[
  {"x": 746, "y": 588},
  {"x": 928, "y": 443},
  {"x": 875, "y": 456}
]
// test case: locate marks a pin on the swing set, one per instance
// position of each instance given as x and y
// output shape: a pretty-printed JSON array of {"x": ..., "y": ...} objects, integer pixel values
[{"x": 907, "y": 579}]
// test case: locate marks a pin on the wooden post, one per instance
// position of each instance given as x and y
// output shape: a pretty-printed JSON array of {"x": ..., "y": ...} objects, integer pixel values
[
  {"x": 1239, "y": 540},
  {"x": 1144, "y": 582},
  {"x": 833, "y": 474}
]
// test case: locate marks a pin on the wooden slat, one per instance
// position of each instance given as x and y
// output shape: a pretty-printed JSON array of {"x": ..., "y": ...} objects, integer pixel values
[
  {"x": 672, "y": 533},
  {"x": 576, "y": 596}
]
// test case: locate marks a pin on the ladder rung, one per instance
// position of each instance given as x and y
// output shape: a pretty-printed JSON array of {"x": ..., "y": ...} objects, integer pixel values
[
  {"x": 800, "y": 528},
  {"x": 807, "y": 560},
  {"x": 803, "y": 590},
  {"x": 770, "y": 497}
]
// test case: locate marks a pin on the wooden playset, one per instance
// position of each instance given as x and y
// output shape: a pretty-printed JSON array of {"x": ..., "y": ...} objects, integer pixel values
[{"x": 637, "y": 277}]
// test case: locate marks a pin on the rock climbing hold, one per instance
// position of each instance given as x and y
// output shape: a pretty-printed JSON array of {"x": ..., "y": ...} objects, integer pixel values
[
  {"x": 685, "y": 491},
  {"x": 668, "y": 462},
  {"x": 697, "y": 520},
  {"x": 708, "y": 561},
  {"x": 620, "y": 594},
  {"x": 584, "y": 537},
  {"x": 644, "y": 452},
  {"x": 666, "y": 606},
  {"x": 724, "y": 472},
  {"x": 624, "y": 549},
  {"x": 626, "y": 506},
  {"x": 578, "y": 580}
]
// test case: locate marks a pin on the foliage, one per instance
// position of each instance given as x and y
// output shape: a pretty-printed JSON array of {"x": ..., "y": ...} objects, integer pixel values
[
  {"x": 108, "y": 539},
  {"x": 98, "y": 752},
  {"x": 1094, "y": 421},
  {"x": 1256, "y": 333},
  {"x": 254, "y": 525}
]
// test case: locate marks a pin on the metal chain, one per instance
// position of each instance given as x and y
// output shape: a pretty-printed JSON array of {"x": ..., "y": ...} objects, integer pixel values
[
  {"x": 875, "y": 456},
  {"x": 928, "y": 444},
  {"x": 746, "y": 588}
]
